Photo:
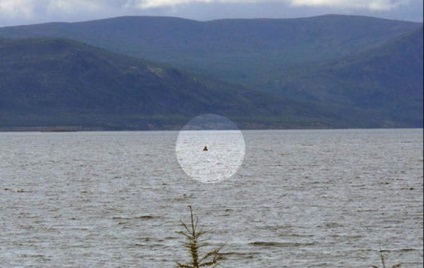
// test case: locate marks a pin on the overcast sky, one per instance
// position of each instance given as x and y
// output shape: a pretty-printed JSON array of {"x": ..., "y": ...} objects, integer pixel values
[{"x": 18, "y": 12}]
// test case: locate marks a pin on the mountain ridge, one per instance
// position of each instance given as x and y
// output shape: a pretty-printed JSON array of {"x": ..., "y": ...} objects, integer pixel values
[
  {"x": 388, "y": 78},
  {"x": 55, "y": 82},
  {"x": 249, "y": 69},
  {"x": 226, "y": 49}
]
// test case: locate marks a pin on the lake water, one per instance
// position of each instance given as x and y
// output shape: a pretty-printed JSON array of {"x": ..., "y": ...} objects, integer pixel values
[{"x": 302, "y": 198}]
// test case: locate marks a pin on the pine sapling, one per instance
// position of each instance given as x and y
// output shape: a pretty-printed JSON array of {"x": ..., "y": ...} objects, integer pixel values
[{"x": 192, "y": 235}]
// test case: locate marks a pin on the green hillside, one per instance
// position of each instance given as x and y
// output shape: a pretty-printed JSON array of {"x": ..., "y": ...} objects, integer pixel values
[
  {"x": 327, "y": 71},
  {"x": 241, "y": 51},
  {"x": 54, "y": 82},
  {"x": 387, "y": 79}
]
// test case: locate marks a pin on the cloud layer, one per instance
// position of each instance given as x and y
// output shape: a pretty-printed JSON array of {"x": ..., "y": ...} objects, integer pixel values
[
  {"x": 28, "y": 7},
  {"x": 361, "y": 4},
  {"x": 30, "y": 11},
  {"x": 356, "y": 4}
]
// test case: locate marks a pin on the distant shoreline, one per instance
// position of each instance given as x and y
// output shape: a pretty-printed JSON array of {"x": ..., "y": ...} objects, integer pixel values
[
  {"x": 49, "y": 129},
  {"x": 93, "y": 129}
]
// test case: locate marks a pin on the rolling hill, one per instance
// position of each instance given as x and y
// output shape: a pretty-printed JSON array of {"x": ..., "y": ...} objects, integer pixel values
[
  {"x": 388, "y": 79},
  {"x": 242, "y": 51},
  {"x": 327, "y": 71},
  {"x": 56, "y": 82}
]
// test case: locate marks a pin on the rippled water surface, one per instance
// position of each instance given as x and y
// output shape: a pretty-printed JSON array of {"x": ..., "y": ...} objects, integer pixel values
[{"x": 329, "y": 198}]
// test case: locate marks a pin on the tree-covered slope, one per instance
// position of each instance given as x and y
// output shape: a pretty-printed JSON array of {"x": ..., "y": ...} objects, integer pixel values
[
  {"x": 55, "y": 82},
  {"x": 327, "y": 71},
  {"x": 236, "y": 50},
  {"x": 388, "y": 79}
]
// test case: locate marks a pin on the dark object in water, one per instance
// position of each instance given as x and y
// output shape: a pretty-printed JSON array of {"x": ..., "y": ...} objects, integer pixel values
[{"x": 205, "y": 149}]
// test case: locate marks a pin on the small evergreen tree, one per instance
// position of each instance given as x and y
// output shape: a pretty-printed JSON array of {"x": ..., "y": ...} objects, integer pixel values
[{"x": 192, "y": 235}]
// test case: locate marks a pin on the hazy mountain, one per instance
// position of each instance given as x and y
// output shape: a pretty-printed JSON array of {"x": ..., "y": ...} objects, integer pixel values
[
  {"x": 54, "y": 82},
  {"x": 328, "y": 71},
  {"x": 387, "y": 79},
  {"x": 237, "y": 50}
]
